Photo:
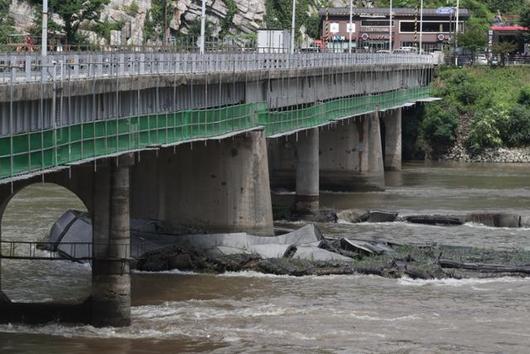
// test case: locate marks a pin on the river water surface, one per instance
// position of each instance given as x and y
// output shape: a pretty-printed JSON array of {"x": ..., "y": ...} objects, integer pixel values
[{"x": 250, "y": 312}]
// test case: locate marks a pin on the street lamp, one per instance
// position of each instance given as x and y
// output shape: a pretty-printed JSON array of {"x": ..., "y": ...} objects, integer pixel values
[
  {"x": 293, "y": 26},
  {"x": 391, "y": 29},
  {"x": 456, "y": 29},
  {"x": 44, "y": 35},
  {"x": 203, "y": 27},
  {"x": 351, "y": 26},
  {"x": 421, "y": 27}
]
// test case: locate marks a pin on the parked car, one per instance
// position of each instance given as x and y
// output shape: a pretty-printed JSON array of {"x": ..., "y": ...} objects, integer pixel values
[{"x": 481, "y": 59}]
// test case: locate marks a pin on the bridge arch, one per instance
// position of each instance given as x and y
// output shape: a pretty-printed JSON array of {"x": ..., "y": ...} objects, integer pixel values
[{"x": 27, "y": 215}]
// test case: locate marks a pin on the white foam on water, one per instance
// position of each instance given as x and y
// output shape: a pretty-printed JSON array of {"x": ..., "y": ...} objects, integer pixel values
[
  {"x": 394, "y": 319},
  {"x": 460, "y": 282},
  {"x": 172, "y": 271}
]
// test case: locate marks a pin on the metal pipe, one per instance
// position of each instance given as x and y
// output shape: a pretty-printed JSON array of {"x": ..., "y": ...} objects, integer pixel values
[
  {"x": 351, "y": 26},
  {"x": 44, "y": 40},
  {"x": 456, "y": 29},
  {"x": 203, "y": 27},
  {"x": 390, "y": 28},
  {"x": 421, "y": 27},
  {"x": 293, "y": 26}
]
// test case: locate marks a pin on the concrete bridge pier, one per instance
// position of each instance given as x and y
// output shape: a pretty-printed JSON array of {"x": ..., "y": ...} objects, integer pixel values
[
  {"x": 351, "y": 155},
  {"x": 392, "y": 121},
  {"x": 307, "y": 172},
  {"x": 208, "y": 186},
  {"x": 111, "y": 283},
  {"x": 376, "y": 169}
]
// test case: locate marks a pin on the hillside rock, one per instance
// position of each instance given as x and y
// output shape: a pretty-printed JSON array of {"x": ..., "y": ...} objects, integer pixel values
[{"x": 250, "y": 15}]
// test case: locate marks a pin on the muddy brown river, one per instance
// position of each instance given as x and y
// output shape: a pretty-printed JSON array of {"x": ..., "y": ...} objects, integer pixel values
[{"x": 251, "y": 312}]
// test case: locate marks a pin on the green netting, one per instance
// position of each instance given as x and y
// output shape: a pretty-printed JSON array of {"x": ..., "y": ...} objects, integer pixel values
[
  {"x": 278, "y": 122},
  {"x": 41, "y": 150},
  {"x": 37, "y": 151}
]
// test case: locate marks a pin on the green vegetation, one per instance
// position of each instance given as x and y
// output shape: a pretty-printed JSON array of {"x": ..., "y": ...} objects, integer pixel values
[
  {"x": 103, "y": 28},
  {"x": 154, "y": 22},
  {"x": 226, "y": 22},
  {"x": 72, "y": 13},
  {"x": 6, "y": 22},
  {"x": 279, "y": 16},
  {"x": 493, "y": 102},
  {"x": 132, "y": 9}
]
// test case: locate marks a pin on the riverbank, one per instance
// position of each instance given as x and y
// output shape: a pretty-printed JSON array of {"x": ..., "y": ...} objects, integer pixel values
[{"x": 491, "y": 155}]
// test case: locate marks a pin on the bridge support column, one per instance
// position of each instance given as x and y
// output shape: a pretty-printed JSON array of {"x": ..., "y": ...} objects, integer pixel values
[
  {"x": 376, "y": 167},
  {"x": 392, "y": 122},
  {"x": 210, "y": 186},
  {"x": 111, "y": 283},
  {"x": 351, "y": 156},
  {"x": 307, "y": 172}
]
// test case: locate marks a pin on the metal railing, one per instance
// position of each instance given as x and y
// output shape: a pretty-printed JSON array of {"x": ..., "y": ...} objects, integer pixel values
[
  {"x": 18, "y": 68},
  {"x": 50, "y": 251}
]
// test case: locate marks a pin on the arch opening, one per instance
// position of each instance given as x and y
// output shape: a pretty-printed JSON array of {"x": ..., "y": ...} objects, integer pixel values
[{"x": 28, "y": 217}]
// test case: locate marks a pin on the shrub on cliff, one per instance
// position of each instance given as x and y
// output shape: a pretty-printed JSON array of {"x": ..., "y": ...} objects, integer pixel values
[
  {"x": 486, "y": 128},
  {"x": 437, "y": 130},
  {"x": 518, "y": 132}
]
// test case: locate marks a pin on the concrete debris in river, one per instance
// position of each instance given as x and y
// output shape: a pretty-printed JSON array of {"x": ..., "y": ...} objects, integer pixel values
[{"x": 301, "y": 252}]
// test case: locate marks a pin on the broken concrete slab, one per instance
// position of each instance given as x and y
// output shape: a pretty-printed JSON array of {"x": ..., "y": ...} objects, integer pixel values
[{"x": 377, "y": 216}]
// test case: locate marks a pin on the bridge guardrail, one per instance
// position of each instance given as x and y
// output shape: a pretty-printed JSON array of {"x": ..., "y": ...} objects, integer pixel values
[{"x": 16, "y": 68}]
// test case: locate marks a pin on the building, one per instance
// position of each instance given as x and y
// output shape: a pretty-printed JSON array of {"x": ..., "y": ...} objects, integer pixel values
[
  {"x": 509, "y": 33},
  {"x": 371, "y": 27}
]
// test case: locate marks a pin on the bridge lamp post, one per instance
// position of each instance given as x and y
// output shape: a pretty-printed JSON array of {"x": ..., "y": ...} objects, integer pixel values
[
  {"x": 390, "y": 28},
  {"x": 351, "y": 26},
  {"x": 456, "y": 30},
  {"x": 421, "y": 27},
  {"x": 44, "y": 35},
  {"x": 293, "y": 26},
  {"x": 202, "y": 40}
]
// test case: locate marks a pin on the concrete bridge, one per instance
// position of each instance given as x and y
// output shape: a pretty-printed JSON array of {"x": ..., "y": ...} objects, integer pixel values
[{"x": 196, "y": 140}]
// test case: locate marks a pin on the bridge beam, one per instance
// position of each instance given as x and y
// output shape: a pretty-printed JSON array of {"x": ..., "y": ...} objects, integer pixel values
[
  {"x": 307, "y": 172},
  {"x": 111, "y": 283},
  {"x": 392, "y": 121}
]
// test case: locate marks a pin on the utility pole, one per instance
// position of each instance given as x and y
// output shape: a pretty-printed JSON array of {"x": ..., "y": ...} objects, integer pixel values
[
  {"x": 456, "y": 29},
  {"x": 164, "y": 42},
  {"x": 293, "y": 27},
  {"x": 203, "y": 27},
  {"x": 44, "y": 35},
  {"x": 351, "y": 26},
  {"x": 391, "y": 28},
  {"x": 421, "y": 27}
]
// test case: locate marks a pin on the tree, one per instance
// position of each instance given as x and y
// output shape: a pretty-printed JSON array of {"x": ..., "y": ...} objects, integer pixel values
[
  {"x": 73, "y": 13},
  {"x": 6, "y": 22},
  {"x": 473, "y": 39},
  {"x": 503, "y": 49},
  {"x": 525, "y": 22}
]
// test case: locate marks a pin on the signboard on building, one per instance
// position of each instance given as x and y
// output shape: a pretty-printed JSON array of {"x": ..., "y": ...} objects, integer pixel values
[
  {"x": 334, "y": 27},
  {"x": 351, "y": 27},
  {"x": 445, "y": 11}
]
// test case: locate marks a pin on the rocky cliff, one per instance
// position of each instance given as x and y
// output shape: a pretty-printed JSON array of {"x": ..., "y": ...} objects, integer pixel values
[{"x": 139, "y": 20}]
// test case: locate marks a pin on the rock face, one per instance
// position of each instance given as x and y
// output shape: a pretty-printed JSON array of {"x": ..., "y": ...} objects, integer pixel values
[{"x": 183, "y": 14}]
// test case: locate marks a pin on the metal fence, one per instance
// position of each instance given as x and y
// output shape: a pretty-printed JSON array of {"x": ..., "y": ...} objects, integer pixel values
[
  {"x": 23, "y": 68},
  {"x": 50, "y": 251}
]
